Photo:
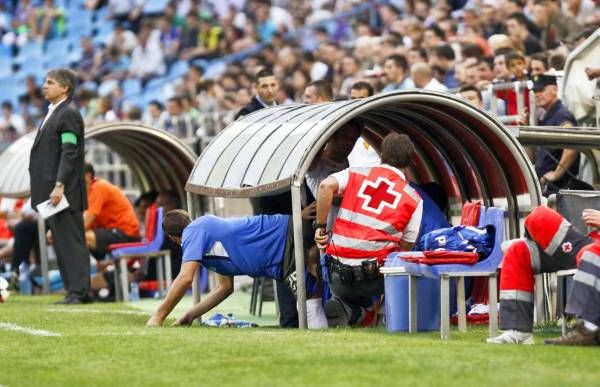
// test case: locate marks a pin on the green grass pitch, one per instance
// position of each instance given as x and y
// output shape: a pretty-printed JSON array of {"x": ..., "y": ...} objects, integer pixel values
[{"x": 108, "y": 345}]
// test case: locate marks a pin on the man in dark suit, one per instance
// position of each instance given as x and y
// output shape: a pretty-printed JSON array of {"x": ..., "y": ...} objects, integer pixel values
[
  {"x": 267, "y": 89},
  {"x": 56, "y": 169}
]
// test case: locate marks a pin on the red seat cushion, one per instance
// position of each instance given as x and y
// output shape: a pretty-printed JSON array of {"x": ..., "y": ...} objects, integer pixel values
[
  {"x": 151, "y": 214},
  {"x": 470, "y": 214},
  {"x": 442, "y": 257}
]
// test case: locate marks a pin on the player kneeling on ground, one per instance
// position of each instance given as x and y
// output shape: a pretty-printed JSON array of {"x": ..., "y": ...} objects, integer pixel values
[{"x": 257, "y": 246}]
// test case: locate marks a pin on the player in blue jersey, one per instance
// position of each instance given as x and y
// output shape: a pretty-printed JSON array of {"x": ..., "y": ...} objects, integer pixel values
[{"x": 257, "y": 246}]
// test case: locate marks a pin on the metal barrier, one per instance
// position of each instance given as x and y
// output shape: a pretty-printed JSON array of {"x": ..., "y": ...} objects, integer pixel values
[{"x": 519, "y": 88}]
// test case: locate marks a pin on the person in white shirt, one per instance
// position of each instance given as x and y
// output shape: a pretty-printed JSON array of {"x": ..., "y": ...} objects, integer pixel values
[
  {"x": 422, "y": 76},
  {"x": 10, "y": 120},
  {"x": 147, "y": 59}
]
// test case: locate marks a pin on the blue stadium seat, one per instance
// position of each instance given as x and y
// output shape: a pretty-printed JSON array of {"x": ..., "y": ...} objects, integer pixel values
[
  {"x": 33, "y": 66},
  {"x": 154, "y": 84},
  {"x": 31, "y": 50},
  {"x": 5, "y": 51},
  {"x": 103, "y": 30},
  {"x": 5, "y": 66},
  {"x": 153, "y": 7},
  {"x": 100, "y": 16},
  {"x": 178, "y": 69},
  {"x": 79, "y": 23},
  {"x": 131, "y": 87},
  {"x": 57, "y": 46}
]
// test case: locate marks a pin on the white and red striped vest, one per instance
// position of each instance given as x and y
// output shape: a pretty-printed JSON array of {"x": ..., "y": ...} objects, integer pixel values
[{"x": 377, "y": 205}]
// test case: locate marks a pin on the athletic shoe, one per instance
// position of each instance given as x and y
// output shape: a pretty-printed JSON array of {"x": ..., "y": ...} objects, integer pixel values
[
  {"x": 579, "y": 335},
  {"x": 512, "y": 337}
]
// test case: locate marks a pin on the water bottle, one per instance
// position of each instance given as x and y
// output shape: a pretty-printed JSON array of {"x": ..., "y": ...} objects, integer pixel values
[
  {"x": 25, "y": 285},
  {"x": 134, "y": 294}
]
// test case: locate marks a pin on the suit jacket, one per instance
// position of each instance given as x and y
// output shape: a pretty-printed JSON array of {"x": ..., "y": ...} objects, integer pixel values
[
  {"x": 51, "y": 161},
  {"x": 253, "y": 106}
]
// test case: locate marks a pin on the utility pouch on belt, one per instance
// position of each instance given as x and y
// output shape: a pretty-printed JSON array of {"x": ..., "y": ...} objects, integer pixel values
[{"x": 345, "y": 272}]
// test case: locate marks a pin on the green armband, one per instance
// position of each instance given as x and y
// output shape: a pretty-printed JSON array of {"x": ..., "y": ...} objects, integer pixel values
[{"x": 68, "y": 137}]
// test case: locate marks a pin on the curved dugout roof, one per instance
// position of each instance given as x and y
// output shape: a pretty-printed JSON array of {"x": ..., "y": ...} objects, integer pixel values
[
  {"x": 157, "y": 159},
  {"x": 464, "y": 149}
]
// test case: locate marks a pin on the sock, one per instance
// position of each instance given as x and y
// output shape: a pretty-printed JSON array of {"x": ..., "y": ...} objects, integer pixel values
[{"x": 590, "y": 326}]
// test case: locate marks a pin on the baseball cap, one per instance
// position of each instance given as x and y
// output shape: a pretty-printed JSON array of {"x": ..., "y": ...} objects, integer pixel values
[{"x": 543, "y": 80}]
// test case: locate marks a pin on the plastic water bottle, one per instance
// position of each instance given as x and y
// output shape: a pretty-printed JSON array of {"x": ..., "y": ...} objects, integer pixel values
[
  {"x": 25, "y": 284},
  {"x": 134, "y": 294}
]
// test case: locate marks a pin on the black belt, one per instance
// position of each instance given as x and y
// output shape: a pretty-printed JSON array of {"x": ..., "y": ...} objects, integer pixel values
[{"x": 367, "y": 270}]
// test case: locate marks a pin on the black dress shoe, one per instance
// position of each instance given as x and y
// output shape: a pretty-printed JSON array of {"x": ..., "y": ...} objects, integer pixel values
[{"x": 69, "y": 300}]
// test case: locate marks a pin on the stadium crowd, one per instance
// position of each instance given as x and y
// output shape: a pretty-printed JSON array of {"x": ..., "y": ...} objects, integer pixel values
[{"x": 179, "y": 68}]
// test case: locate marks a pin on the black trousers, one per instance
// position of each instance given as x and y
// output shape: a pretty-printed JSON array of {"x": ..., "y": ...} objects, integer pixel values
[
  {"x": 71, "y": 251},
  {"x": 26, "y": 238}
]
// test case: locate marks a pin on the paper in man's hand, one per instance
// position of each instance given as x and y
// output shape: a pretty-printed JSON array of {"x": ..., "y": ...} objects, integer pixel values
[{"x": 47, "y": 209}]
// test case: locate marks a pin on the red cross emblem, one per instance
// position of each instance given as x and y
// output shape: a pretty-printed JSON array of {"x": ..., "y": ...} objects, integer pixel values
[
  {"x": 567, "y": 247},
  {"x": 378, "y": 194}
]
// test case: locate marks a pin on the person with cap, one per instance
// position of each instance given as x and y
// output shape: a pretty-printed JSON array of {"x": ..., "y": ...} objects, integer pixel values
[
  {"x": 556, "y": 168},
  {"x": 551, "y": 244}
]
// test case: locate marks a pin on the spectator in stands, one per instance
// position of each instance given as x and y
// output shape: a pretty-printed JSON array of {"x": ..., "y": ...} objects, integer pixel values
[
  {"x": 109, "y": 218},
  {"x": 396, "y": 72},
  {"x": 112, "y": 66},
  {"x": 471, "y": 94},
  {"x": 85, "y": 67},
  {"x": 556, "y": 26},
  {"x": 516, "y": 27},
  {"x": 354, "y": 277},
  {"x": 538, "y": 65},
  {"x": 441, "y": 61},
  {"x": 350, "y": 73},
  {"x": 516, "y": 65},
  {"x": 11, "y": 124},
  {"x": 556, "y": 168},
  {"x": 489, "y": 18},
  {"x": 155, "y": 115},
  {"x": 50, "y": 21},
  {"x": 318, "y": 92},
  {"x": 129, "y": 11},
  {"x": 169, "y": 39},
  {"x": 501, "y": 72},
  {"x": 177, "y": 120},
  {"x": 422, "y": 76},
  {"x": 122, "y": 38},
  {"x": 147, "y": 58},
  {"x": 300, "y": 79},
  {"x": 361, "y": 89},
  {"x": 209, "y": 39},
  {"x": 416, "y": 55},
  {"x": 433, "y": 37},
  {"x": 267, "y": 89},
  {"x": 471, "y": 74}
]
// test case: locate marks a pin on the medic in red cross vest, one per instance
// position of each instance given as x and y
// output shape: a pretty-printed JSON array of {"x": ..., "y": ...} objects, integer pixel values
[
  {"x": 375, "y": 216},
  {"x": 380, "y": 213}
]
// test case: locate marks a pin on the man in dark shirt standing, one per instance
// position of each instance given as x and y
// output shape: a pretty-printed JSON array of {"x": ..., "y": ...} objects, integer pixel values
[
  {"x": 56, "y": 169},
  {"x": 267, "y": 89},
  {"x": 516, "y": 28},
  {"x": 554, "y": 167}
]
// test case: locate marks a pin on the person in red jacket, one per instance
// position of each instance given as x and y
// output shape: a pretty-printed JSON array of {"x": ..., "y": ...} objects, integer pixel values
[
  {"x": 379, "y": 214},
  {"x": 551, "y": 244}
]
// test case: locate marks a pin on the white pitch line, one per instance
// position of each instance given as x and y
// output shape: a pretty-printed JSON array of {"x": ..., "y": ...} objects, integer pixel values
[
  {"x": 98, "y": 311},
  {"x": 30, "y": 331}
]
